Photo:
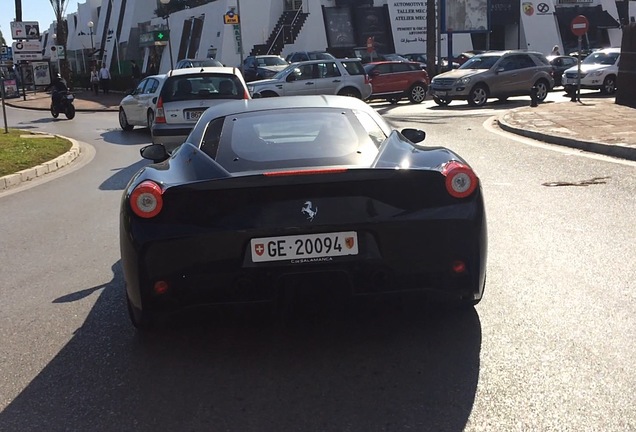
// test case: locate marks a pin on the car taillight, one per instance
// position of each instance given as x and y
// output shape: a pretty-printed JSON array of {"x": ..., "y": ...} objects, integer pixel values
[
  {"x": 461, "y": 180},
  {"x": 146, "y": 199},
  {"x": 160, "y": 116},
  {"x": 246, "y": 94}
]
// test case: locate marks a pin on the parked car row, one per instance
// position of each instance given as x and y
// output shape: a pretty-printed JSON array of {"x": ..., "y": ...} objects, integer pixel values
[{"x": 170, "y": 104}]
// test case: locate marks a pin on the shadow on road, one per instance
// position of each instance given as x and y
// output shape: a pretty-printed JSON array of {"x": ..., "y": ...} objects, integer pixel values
[
  {"x": 378, "y": 367},
  {"x": 122, "y": 176},
  {"x": 133, "y": 137}
]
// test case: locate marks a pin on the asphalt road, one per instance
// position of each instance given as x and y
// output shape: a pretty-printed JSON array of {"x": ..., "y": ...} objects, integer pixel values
[{"x": 550, "y": 347}]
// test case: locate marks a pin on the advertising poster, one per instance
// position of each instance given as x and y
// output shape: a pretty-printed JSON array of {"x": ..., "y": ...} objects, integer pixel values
[
  {"x": 11, "y": 88},
  {"x": 464, "y": 16},
  {"x": 41, "y": 73}
]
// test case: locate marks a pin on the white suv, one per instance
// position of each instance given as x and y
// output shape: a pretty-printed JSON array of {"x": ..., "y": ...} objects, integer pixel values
[
  {"x": 598, "y": 72},
  {"x": 186, "y": 94},
  {"x": 345, "y": 77}
]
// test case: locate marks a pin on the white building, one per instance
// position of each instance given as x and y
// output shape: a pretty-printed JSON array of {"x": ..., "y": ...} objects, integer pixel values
[{"x": 124, "y": 30}]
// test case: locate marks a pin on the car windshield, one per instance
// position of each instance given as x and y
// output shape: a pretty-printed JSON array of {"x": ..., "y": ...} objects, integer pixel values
[
  {"x": 320, "y": 56},
  {"x": 271, "y": 61},
  {"x": 480, "y": 62},
  {"x": 601, "y": 58},
  {"x": 206, "y": 63}
]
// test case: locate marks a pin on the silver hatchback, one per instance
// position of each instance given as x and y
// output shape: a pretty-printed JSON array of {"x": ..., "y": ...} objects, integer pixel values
[
  {"x": 344, "y": 77},
  {"x": 495, "y": 74}
]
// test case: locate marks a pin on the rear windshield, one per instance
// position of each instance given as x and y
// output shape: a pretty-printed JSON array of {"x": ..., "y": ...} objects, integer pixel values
[
  {"x": 202, "y": 86},
  {"x": 354, "y": 67},
  {"x": 293, "y": 138}
]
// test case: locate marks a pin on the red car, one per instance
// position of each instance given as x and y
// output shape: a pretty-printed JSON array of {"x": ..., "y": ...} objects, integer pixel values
[{"x": 394, "y": 80}]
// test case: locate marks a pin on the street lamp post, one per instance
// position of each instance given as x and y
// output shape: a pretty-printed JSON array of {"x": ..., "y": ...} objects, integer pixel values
[
  {"x": 167, "y": 17},
  {"x": 90, "y": 28}
]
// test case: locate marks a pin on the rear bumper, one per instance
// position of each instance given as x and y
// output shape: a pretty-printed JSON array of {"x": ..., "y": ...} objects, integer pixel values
[
  {"x": 215, "y": 267},
  {"x": 171, "y": 136}
]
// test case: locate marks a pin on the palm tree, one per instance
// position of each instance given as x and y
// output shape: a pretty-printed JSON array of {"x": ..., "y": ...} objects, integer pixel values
[{"x": 59, "y": 7}]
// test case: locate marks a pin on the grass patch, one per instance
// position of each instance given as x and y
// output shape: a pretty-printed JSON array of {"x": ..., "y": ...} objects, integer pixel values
[{"x": 18, "y": 153}]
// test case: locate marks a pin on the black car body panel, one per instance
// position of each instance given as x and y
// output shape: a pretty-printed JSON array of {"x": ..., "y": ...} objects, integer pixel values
[{"x": 407, "y": 227}]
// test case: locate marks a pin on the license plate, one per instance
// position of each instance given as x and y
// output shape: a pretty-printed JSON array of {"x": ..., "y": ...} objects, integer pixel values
[
  {"x": 440, "y": 92},
  {"x": 193, "y": 115},
  {"x": 304, "y": 247}
]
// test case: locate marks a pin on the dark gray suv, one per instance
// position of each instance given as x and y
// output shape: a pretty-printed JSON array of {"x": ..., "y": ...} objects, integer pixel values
[{"x": 495, "y": 74}]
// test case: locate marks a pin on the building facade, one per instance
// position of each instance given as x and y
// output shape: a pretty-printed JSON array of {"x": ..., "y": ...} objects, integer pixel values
[{"x": 157, "y": 35}]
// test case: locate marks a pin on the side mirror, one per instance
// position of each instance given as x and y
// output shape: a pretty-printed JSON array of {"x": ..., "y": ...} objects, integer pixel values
[
  {"x": 374, "y": 73},
  {"x": 154, "y": 152},
  {"x": 414, "y": 135},
  {"x": 291, "y": 77},
  {"x": 499, "y": 70},
  {"x": 257, "y": 96}
]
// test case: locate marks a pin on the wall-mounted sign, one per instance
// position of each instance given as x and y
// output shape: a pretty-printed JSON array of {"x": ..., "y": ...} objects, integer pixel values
[
  {"x": 231, "y": 18},
  {"x": 25, "y": 30},
  {"x": 156, "y": 38}
]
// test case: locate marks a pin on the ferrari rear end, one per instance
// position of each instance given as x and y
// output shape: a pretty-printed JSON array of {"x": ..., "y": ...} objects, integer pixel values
[{"x": 338, "y": 230}]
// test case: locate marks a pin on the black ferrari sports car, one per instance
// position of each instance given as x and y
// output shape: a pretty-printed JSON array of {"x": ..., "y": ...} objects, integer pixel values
[{"x": 275, "y": 197}]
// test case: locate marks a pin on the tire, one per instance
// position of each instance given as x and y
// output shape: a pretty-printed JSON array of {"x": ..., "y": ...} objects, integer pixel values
[
  {"x": 150, "y": 118},
  {"x": 442, "y": 101},
  {"x": 141, "y": 319},
  {"x": 70, "y": 112},
  {"x": 609, "y": 85},
  {"x": 351, "y": 92},
  {"x": 54, "y": 112},
  {"x": 123, "y": 121},
  {"x": 417, "y": 93},
  {"x": 478, "y": 96},
  {"x": 542, "y": 90},
  {"x": 269, "y": 94}
]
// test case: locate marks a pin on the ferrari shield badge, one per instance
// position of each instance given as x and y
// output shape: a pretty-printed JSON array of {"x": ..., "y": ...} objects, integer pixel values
[
  {"x": 527, "y": 8},
  {"x": 349, "y": 242}
]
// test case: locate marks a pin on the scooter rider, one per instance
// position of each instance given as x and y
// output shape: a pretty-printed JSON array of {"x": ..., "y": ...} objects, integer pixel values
[{"x": 58, "y": 87}]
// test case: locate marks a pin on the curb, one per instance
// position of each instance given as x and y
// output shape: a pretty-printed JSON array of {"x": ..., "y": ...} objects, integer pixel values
[
  {"x": 589, "y": 146},
  {"x": 13, "y": 180},
  {"x": 32, "y": 108}
]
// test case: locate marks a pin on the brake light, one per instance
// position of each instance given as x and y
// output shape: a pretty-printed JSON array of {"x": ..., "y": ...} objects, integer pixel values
[
  {"x": 146, "y": 199},
  {"x": 461, "y": 180},
  {"x": 160, "y": 116},
  {"x": 246, "y": 94},
  {"x": 305, "y": 172}
]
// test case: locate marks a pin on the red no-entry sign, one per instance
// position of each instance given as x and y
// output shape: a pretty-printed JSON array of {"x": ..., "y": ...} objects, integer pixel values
[{"x": 579, "y": 25}]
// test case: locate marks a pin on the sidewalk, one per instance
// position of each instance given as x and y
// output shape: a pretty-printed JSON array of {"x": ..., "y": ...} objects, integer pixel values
[
  {"x": 596, "y": 124},
  {"x": 85, "y": 100}
]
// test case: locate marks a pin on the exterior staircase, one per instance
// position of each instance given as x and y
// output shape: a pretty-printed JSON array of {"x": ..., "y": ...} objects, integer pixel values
[{"x": 285, "y": 32}]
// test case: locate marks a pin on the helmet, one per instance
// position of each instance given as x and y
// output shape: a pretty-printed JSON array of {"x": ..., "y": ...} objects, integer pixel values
[{"x": 58, "y": 76}]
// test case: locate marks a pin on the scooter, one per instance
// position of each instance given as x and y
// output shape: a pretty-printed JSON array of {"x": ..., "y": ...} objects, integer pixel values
[{"x": 64, "y": 105}]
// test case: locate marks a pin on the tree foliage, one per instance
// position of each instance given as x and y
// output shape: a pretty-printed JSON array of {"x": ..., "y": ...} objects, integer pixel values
[{"x": 61, "y": 31}]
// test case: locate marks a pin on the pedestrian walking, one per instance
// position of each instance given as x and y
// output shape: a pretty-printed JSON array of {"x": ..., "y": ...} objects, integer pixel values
[
  {"x": 555, "y": 51},
  {"x": 95, "y": 80},
  {"x": 136, "y": 73},
  {"x": 104, "y": 78}
]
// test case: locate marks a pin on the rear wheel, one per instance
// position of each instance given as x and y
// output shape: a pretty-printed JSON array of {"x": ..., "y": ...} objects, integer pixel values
[
  {"x": 141, "y": 319},
  {"x": 542, "y": 90},
  {"x": 150, "y": 118},
  {"x": 442, "y": 101},
  {"x": 609, "y": 85},
  {"x": 123, "y": 120},
  {"x": 351, "y": 92},
  {"x": 417, "y": 93},
  {"x": 478, "y": 96}
]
